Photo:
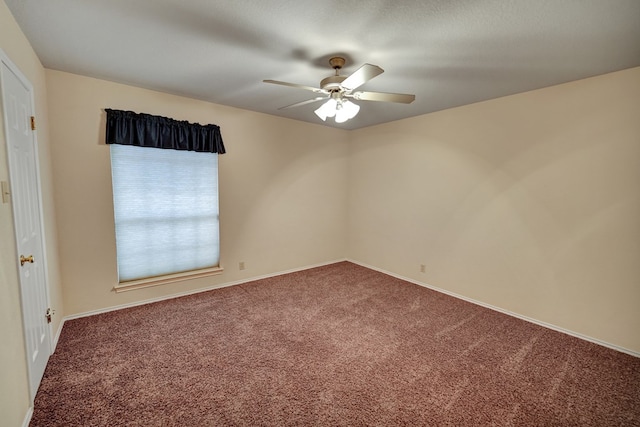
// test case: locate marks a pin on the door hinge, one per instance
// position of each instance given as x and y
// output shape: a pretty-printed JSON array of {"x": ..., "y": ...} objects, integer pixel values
[
  {"x": 33, "y": 123},
  {"x": 48, "y": 314}
]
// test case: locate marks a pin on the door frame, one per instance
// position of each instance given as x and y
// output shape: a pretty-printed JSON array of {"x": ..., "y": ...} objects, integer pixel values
[{"x": 13, "y": 68}]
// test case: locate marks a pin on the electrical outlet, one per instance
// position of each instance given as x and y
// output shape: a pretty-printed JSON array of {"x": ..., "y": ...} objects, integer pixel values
[
  {"x": 423, "y": 268},
  {"x": 241, "y": 265},
  {"x": 5, "y": 192}
]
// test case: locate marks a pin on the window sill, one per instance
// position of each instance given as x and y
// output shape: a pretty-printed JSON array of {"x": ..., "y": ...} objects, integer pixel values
[{"x": 163, "y": 280}]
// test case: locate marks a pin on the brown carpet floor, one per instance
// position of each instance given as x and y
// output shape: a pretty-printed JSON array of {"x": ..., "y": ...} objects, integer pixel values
[{"x": 330, "y": 346}]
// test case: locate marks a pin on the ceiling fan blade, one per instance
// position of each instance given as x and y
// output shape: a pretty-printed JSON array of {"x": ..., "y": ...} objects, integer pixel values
[
  {"x": 361, "y": 76},
  {"x": 312, "y": 89},
  {"x": 299, "y": 104},
  {"x": 403, "y": 98}
]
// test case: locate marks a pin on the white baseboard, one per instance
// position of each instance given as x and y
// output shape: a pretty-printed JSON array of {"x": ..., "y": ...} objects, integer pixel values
[
  {"x": 27, "y": 417},
  {"x": 186, "y": 293},
  {"x": 56, "y": 337},
  {"x": 503, "y": 311},
  {"x": 416, "y": 282}
]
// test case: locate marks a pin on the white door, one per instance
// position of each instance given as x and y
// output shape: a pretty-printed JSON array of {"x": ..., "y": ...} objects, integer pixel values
[{"x": 25, "y": 198}]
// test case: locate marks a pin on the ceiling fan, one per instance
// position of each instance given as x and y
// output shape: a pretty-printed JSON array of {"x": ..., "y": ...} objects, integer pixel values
[{"x": 337, "y": 90}]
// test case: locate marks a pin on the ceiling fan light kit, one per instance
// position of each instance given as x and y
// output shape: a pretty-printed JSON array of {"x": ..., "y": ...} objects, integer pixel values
[
  {"x": 328, "y": 109},
  {"x": 342, "y": 110},
  {"x": 338, "y": 89}
]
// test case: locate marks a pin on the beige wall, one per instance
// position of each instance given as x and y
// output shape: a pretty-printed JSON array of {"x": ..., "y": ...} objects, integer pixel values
[
  {"x": 14, "y": 388},
  {"x": 530, "y": 203},
  {"x": 282, "y": 189}
]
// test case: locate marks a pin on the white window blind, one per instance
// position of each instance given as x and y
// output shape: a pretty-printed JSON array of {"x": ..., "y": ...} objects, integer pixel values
[{"x": 166, "y": 211}]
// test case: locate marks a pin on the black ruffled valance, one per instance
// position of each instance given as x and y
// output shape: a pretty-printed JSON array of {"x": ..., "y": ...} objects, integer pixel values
[{"x": 145, "y": 130}]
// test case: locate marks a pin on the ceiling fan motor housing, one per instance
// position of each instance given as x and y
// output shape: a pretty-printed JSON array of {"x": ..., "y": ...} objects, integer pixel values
[{"x": 332, "y": 83}]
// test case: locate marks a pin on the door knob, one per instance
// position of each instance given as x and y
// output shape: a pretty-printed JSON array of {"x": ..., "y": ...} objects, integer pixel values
[{"x": 24, "y": 259}]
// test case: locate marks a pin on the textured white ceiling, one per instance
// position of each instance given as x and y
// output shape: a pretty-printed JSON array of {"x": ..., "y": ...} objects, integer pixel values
[{"x": 447, "y": 52}]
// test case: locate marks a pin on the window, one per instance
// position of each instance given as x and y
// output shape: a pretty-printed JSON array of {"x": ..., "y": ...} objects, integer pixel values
[{"x": 166, "y": 212}]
